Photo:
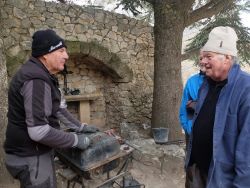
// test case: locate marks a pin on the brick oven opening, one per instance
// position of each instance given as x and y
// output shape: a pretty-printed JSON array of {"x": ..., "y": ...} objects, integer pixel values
[
  {"x": 92, "y": 70},
  {"x": 88, "y": 76}
]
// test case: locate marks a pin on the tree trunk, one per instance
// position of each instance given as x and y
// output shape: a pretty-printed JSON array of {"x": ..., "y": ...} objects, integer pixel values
[
  {"x": 4, "y": 175},
  {"x": 168, "y": 32}
]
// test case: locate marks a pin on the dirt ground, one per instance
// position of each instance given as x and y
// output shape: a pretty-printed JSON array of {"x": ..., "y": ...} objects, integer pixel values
[
  {"x": 145, "y": 173},
  {"x": 154, "y": 166},
  {"x": 152, "y": 177},
  {"x": 149, "y": 176},
  {"x": 148, "y": 167}
]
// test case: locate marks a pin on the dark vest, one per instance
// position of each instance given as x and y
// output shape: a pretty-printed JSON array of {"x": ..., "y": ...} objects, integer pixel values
[{"x": 17, "y": 140}]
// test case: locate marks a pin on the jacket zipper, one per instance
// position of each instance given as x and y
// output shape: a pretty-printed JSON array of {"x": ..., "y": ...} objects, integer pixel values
[{"x": 37, "y": 163}]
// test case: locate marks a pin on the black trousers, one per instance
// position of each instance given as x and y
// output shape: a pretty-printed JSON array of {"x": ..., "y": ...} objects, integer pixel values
[
  {"x": 195, "y": 178},
  {"x": 187, "y": 137}
]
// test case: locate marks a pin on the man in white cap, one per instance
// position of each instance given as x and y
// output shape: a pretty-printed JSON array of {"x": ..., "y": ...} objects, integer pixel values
[
  {"x": 35, "y": 109},
  {"x": 219, "y": 152}
]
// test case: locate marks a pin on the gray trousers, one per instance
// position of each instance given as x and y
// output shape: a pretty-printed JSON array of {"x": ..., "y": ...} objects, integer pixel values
[{"x": 32, "y": 172}]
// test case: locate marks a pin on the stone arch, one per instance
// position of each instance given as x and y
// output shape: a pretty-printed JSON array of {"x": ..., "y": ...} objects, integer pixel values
[
  {"x": 101, "y": 59},
  {"x": 92, "y": 53}
]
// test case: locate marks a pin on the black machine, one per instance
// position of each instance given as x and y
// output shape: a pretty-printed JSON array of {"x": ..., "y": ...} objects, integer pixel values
[
  {"x": 104, "y": 155},
  {"x": 102, "y": 148}
]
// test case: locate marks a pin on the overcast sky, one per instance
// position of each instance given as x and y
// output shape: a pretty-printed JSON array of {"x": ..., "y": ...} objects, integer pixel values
[{"x": 245, "y": 19}]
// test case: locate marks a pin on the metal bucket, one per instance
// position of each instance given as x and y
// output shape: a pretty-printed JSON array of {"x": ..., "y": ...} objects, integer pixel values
[{"x": 160, "y": 135}]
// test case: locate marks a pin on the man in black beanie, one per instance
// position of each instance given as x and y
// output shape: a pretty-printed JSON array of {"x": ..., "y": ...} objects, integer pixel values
[{"x": 35, "y": 108}]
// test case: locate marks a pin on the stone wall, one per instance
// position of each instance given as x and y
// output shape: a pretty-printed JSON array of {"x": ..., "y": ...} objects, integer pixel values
[{"x": 112, "y": 55}]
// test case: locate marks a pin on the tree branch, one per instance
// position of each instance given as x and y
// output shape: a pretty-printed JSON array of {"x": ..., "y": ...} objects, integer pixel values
[
  {"x": 62, "y": 1},
  {"x": 208, "y": 10},
  {"x": 189, "y": 3},
  {"x": 189, "y": 54},
  {"x": 150, "y": 1}
]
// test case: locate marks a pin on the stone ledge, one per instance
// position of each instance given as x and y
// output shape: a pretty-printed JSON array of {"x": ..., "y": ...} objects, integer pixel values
[
  {"x": 85, "y": 97},
  {"x": 84, "y": 104}
]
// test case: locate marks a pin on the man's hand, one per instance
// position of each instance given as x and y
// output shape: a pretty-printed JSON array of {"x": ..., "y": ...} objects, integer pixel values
[
  {"x": 83, "y": 142},
  {"x": 191, "y": 104},
  {"x": 88, "y": 129}
]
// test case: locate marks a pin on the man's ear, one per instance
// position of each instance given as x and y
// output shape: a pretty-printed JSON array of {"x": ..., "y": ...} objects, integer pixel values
[
  {"x": 42, "y": 58},
  {"x": 45, "y": 56},
  {"x": 228, "y": 58}
]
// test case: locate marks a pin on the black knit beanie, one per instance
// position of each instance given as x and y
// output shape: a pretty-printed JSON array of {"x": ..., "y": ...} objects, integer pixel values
[{"x": 46, "y": 41}]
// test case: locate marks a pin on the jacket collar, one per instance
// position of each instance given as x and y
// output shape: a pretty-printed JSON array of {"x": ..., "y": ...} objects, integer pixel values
[
  {"x": 233, "y": 72},
  {"x": 41, "y": 65}
]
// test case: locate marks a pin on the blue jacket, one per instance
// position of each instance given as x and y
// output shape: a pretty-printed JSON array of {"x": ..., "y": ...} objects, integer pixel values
[
  {"x": 230, "y": 163},
  {"x": 190, "y": 92}
]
